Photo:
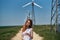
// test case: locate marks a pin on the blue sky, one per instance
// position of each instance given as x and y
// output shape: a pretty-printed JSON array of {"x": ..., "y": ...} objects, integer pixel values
[{"x": 12, "y": 12}]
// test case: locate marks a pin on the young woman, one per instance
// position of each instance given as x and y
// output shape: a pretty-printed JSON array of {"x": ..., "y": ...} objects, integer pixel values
[{"x": 27, "y": 31}]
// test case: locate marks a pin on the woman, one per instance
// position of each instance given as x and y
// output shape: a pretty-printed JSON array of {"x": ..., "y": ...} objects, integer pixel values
[{"x": 27, "y": 33}]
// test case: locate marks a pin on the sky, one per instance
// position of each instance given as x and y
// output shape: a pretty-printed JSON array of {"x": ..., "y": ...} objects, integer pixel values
[{"x": 12, "y": 12}]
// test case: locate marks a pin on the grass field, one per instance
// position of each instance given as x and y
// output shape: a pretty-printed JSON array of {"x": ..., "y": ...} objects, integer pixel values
[
  {"x": 45, "y": 32},
  {"x": 6, "y": 33}
]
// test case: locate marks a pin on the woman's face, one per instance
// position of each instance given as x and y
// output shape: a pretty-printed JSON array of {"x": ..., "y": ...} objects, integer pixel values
[{"x": 28, "y": 23}]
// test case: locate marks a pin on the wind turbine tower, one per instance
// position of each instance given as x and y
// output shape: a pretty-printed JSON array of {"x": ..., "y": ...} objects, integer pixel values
[
  {"x": 33, "y": 14},
  {"x": 28, "y": 17}
]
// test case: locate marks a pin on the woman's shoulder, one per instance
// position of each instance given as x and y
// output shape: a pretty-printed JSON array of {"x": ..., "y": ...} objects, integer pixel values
[{"x": 31, "y": 28}]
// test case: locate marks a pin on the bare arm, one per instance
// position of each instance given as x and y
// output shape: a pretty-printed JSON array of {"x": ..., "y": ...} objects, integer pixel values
[{"x": 31, "y": 34}]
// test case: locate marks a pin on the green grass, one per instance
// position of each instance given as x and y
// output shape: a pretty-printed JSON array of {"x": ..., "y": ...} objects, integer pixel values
[
  {"x": 7, "y": 32},
  {"x": 45, "y": 32},
  {"x": 57, "y": 36}
]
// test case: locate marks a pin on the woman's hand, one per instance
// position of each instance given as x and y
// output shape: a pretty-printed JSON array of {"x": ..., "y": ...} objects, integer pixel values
[{"x": 29, "y": 35}]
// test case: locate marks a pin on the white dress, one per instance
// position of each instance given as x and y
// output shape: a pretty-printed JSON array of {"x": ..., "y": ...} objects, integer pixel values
[{"x": 26, "y": 37}]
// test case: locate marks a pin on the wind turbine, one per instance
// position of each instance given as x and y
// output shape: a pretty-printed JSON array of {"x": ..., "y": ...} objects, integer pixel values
[{"x": 33, "y": 15}]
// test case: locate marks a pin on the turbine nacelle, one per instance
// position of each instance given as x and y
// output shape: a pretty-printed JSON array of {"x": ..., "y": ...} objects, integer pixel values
[
  {"x": 32, "y": 0},
  {"x": 31, "y": 3}
]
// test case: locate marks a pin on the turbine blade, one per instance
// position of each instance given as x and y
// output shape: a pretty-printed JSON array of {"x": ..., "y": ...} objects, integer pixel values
[
  {"x": 27, "y": 4},
  {"x": 37, "y": 5},
  {"x": 32, "y": 0}
]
